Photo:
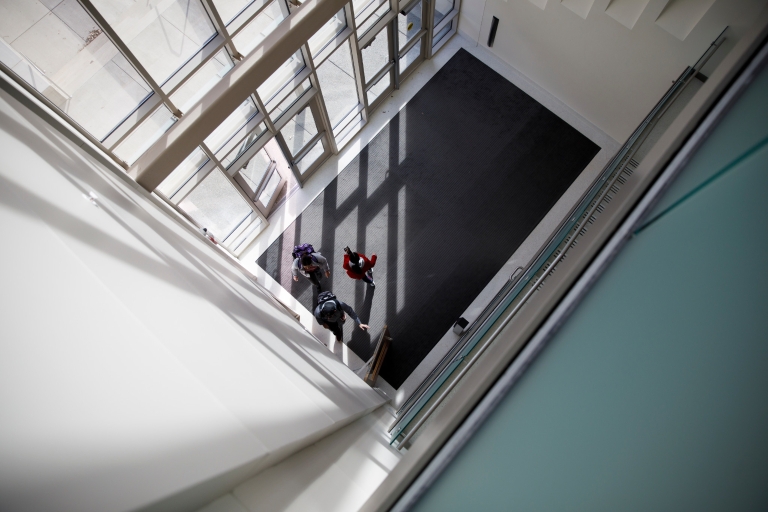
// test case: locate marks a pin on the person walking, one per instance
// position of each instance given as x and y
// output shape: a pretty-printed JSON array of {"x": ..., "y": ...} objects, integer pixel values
[
  {"x": 310, "y": 264},
  {"x": 359, "y": 267},
  {"x": 331, "y": 313}
]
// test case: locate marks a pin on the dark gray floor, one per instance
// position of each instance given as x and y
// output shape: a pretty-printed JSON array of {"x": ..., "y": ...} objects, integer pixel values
[{"x": 444, "y": 195}]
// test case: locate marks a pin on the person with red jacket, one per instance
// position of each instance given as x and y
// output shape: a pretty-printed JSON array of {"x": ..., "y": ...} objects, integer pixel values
[{"x": 359, "y": 267}]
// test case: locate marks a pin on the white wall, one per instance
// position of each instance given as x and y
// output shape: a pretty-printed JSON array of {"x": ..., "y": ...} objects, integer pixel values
[
  {"x": 610, "y": 74},
  {"x": 137, "y": 366},
  {"x": 337, "y": 474}
]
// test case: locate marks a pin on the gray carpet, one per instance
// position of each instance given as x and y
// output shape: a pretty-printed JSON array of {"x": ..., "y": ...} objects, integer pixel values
[{"x": 444, "y": 195}]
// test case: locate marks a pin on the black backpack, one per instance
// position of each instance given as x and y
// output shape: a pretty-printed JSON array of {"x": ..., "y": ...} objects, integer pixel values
[{"x": 328, "y": 307}]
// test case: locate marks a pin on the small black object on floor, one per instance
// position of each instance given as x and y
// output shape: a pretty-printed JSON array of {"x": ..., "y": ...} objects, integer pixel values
[{"x": 444, "y": 195}]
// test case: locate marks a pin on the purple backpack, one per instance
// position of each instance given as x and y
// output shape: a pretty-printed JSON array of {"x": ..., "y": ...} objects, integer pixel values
[{"x": 303, "y": 250}]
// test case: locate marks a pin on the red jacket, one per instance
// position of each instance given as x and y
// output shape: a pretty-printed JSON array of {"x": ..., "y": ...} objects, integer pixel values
[{"x": 367, "y": 265}]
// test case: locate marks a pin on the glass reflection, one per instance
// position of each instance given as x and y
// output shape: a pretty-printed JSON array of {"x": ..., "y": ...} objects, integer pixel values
[
  {"x": 260, "y": 27},
  {"x": 299, "y": 130},
  {"x": 64, "y": 55},
  {"x": 216, "y": 205},
  {"x": 409, "y": 24},
  {"x": 327, "y": 33},
  {"x": 162, "y": 35},
  {"x": 442, "y": 7},
  {"x": 281, "y": 77},
  {"x": 376, "y": 54},
  {"x": 337, "y": 81}
]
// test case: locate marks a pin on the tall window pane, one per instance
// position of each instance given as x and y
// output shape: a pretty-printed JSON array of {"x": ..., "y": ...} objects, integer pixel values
[
  {"x": 366, "y": 25},
  {"x": 440, "y": 35},
  {"x": 145, "y": 135},
  {"x": 325, "y": 35},
  {"x": 259, "y": 28},
  {"x": 182, "y": 173},
  {"x": 228, "y": 9},
  {"x": 231, "y": 125},
  {"x": 299, "y": 130},
  {"x": 380, "y": 86},
  {"x": 410, "y": 57},
  {"x": 442, "y": 7},
  {"x": 280, "y": 78},
  {"x": 409, "y": 24},
  {"x": 311, "y": 157},
  {"x": 202, "y": 81},
  {"x": 337, "y": 81},
  {"x": 161, "y": 34},
  {"x": 254, "y": 171},
  {"x": 290, "y": 99},
  {"x": 216, "y": 205},
  {"x": 376, "y": 54},
  {"x": 63, "y": 54}
]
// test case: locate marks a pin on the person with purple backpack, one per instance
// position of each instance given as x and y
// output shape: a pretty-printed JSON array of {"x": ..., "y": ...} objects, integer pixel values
[{"x": 310, "y": 264}]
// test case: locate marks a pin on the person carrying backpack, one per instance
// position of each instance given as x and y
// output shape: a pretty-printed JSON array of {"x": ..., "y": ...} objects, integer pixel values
[
  {"x": 359, "y": 267},
  {"x": 331, "y": 313},
  {"x": 310, "y": 264}
]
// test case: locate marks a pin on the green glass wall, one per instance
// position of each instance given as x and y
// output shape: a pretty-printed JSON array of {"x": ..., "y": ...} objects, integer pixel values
[{"x": 654, "y": 394}]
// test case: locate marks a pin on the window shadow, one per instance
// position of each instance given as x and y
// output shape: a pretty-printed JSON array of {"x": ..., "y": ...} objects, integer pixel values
[{"x": 444, "y": 195}]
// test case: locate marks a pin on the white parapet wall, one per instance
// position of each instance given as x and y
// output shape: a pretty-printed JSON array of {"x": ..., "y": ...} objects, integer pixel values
[{"x": 139, "y": 369}]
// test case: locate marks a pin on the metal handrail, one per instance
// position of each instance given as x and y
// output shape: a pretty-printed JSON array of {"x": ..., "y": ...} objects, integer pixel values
[{"x": 567, "y": 227}]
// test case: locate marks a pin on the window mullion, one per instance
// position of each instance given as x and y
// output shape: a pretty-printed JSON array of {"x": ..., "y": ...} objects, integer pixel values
[
  {"x": 238, "y": 188},
  {"x": 221, "y": 28},
  {"x": 291, "y": 163},
  {"x": 429, "y": 7},
  {"x": 325, "y": 119},
  {"x": 260, "y": 105},
  {"x": 128, "y": 54}
]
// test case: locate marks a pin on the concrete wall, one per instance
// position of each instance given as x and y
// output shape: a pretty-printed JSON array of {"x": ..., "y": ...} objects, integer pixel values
[
  {"x": 585, "y": 53},
  {"x": 137, "y": 366}
]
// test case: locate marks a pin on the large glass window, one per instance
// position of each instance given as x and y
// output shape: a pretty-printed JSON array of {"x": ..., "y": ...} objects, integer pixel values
[
  {"x": 258, "y": 28},
  {"x": 442, "y": 8},
  {"x": 228, "y": 9},
  {"x": 255, "y": 170},
  {"x": 299, "y": 130},
  {"x": 182, "y": 173},
  {"x": 64, "y": 55},
  {"x": 311, "y": 157},
  {"x": 337, "y": 82},
  {"x": 202, "y": 81},
  {"x": 328, "y": 33},
  {"x": 440, "y": 35},
  {"x": 365, "y": 26},
  {"x": 274, "y": 86},
  {"x": 264, "y": 176},
  {"x": 240, "y": 143},
  {"x": 290, "y": 99},
  {"x": 409, "y": 58},
  {"x": 376, "y": 54},
  {"x": 238, "y": 171},
  {"x": 145, "y": 135},
  {"x": 379, "y": 87},
  {"x": 231, "y": 125},
  {"x": 216, "y": 205},
  {"x": 409, "y": 24},
  {"x": 161, "y": 34}
]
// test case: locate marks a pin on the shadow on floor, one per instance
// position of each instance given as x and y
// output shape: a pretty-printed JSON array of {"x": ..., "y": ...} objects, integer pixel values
[{"x": 444, "y": 195}]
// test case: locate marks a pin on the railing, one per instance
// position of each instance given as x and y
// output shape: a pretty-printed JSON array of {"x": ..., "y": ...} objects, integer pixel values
[{"x": 542, "y": 266}]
